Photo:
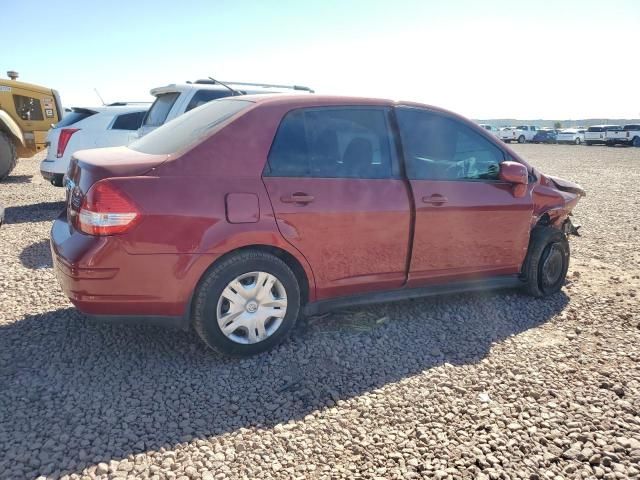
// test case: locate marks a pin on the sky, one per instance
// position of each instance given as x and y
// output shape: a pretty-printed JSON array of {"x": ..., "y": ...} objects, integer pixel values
[{"x": 484, "y": 59}]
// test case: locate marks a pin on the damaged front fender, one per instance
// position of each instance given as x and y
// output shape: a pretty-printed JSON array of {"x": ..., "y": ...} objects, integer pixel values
[{"x": 554, "y": 200}]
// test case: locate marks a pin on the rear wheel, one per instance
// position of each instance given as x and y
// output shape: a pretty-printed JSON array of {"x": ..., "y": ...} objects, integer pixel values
[
  {"x": 8, "y": 156},
  {"x": 246, "y": 304},
  {"x": 547, "y": 261},
  {"x": 636, "y": 142},
  {"x": 588, "y": 143},
  {"x": 577, "y": 141},
  {"x": 521, "y": 139}
]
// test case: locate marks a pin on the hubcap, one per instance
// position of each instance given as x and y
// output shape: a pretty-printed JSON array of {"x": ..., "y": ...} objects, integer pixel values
[
  {"x": 252, "y": 307},
  {"x": 552, "y": 266}
]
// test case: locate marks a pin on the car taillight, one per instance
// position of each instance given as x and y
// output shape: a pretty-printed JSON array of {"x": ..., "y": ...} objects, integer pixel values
[
  {"x": 63, "y": 140},
  {"x": 106, "y": 210}
]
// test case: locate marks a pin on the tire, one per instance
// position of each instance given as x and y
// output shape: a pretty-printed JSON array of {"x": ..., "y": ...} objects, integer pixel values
[
  {"x": 547, "y": 261},
  {"x": 577, "y": 141},
  {"x": 521, "y": 139},
  {"x": 588, "y": 143},
  {"x": 8, "y": 157},
  {"x": 210, "y": 300},
  {"x": 635, "y": 142}
]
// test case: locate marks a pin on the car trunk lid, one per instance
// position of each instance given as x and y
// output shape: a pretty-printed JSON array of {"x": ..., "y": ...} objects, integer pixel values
[{"x": 90, "y": 166}]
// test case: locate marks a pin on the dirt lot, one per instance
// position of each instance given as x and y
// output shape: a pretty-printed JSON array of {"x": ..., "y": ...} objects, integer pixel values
[{"x": 493, "y": 386}]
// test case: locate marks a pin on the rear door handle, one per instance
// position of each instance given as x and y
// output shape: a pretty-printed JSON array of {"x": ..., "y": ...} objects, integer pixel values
[
  {"x": 297, "y": 197},
  {"x": 435, "y": 199}
]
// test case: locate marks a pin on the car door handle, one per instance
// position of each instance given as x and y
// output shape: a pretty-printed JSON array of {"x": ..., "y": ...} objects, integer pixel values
[
  {"x": 435, "y": 199},
  {"x": 297, "y": 197}
]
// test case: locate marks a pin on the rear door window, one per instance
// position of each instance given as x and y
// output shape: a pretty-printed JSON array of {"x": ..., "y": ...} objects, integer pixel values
[
  {"x": 128, "y": 121},
  {"x": 204, "y": 96},
  {"x": 333, "y": 142},
  {"x": 160, "y": 109}
]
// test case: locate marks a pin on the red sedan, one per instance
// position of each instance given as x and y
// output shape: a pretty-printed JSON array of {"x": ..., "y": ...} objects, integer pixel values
[{"x": 247, "y": 212}]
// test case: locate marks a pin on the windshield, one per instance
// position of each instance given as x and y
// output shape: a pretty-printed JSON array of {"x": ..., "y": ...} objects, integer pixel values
[
  {"x": 189, "y": 127},
  {"x": 160, "y": 109},
  {"x": 595, "y": 129}
]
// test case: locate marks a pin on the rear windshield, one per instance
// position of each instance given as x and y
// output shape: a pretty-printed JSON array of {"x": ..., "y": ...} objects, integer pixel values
[
  {"x": 522, "y": 127},
  {"x": 631, "y": 127},
  {"x": 188, "y": 128},
  {"x": 74, "y": 117},
  {"x": 595, "y": 129},
  {"x": 160, "y": 109},
  {"x": 203, "y": 96}
]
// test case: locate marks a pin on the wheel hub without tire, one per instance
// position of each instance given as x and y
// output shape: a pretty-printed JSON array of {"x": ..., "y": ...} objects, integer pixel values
[{"x": 251, "y": 307}]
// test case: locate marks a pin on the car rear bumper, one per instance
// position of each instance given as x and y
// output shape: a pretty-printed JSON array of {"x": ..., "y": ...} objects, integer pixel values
[
  {"x": 53, "y": 170},
  {"x": 53, "y": 178},
  {"x": 102, "y": 280}
]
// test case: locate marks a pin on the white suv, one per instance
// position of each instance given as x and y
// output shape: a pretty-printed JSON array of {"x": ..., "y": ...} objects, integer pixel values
[
  {"x": 82, "y": 128},
  {"x": 178, "y": 98}
]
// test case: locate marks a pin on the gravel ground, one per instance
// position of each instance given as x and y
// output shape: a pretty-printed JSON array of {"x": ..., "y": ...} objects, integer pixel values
[{"x": 472, "y": 386}]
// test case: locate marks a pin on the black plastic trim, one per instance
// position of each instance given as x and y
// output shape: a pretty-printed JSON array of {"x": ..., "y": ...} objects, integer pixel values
[{"x": 493, "y": 283}]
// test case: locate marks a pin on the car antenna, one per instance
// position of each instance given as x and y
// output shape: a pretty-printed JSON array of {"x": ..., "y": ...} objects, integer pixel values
[
  {"x": 235, "y": 92},
  {"x": 99, "y": 96}
]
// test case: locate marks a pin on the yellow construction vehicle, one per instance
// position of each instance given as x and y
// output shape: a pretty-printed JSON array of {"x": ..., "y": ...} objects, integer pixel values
[{"x": 26, "y": 114}]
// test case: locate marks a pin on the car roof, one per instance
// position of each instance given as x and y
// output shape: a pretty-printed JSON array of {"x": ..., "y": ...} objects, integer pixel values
[{"x": 315, "y": 100}]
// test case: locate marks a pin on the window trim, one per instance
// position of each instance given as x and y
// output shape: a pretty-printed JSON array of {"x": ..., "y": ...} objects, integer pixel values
[
  {"x": 397, "y": 172},
  {"x": 506, "y": 156}
]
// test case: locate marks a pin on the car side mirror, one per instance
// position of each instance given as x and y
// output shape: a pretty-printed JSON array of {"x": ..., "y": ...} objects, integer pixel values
[{"x": 516, "y": 174}]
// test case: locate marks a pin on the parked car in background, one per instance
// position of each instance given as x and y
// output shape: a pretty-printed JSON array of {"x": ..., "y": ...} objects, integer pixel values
[
  {"x": 490, "y": 128},
  {"x": 571, "y": 135},
  {"x": 287, "y": 217},
  {"x": 627, "y": 135},
  {"x": 520, "y": 134},
  {"x": 546, "y": 135},
  {"x": 82, "y": 128},
  {"x": 178, "y": 98},
  {"x": 595, "y": 134}
]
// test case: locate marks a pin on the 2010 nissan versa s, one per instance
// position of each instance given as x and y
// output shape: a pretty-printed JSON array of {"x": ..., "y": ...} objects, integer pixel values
[{"x": 245, "y": 213}]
